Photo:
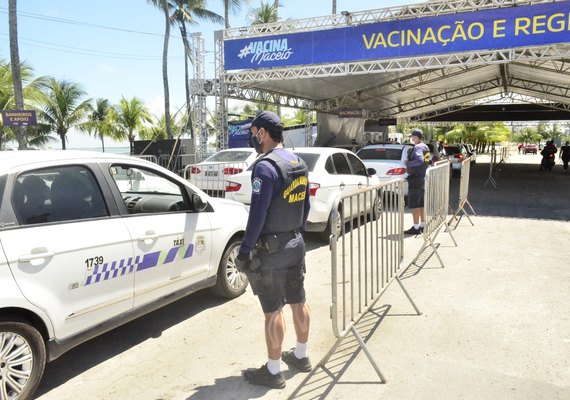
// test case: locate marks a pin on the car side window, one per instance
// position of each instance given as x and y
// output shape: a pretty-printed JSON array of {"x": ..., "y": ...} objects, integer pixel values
[
  {"x": 358, "y": 167},
  {"x": 57, "y": 194},
  {"x": 145, "y": 191},
  {"x": 340, "y": 164}
]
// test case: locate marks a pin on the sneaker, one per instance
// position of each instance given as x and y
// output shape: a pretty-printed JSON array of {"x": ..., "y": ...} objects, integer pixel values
[
  {"x": 302, "y": 364},
  {"x": 413, "y": 231},
  {"x": 262, "y": 377}
]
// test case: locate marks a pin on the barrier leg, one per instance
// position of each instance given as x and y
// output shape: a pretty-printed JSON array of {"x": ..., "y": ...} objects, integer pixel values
[
  {"x": 362, "y": 345},
  {"x": 408, "y": 296}
]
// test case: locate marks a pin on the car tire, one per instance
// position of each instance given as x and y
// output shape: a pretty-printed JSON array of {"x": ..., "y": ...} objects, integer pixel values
[
  {"x": 230, "y": 282},
  {"x": 22, "y": 349}
]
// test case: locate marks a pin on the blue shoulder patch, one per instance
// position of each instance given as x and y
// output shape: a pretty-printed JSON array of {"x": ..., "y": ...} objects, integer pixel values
[{"x": 256, "y": 185}]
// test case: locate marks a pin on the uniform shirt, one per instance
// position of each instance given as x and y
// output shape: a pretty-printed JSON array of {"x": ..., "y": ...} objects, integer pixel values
[
  {"x": 418, "y": 159},
  {"x": 266, "y": 183},
  {"x": 565, "y": 152}
]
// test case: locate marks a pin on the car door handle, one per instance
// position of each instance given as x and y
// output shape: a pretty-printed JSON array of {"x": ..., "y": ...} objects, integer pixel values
[
  {"x": 360, "y": 185},
  {"x": 42, "y": 253},
  {"x": 342, "y": 186},
  {"x": 148, "y": 237}
]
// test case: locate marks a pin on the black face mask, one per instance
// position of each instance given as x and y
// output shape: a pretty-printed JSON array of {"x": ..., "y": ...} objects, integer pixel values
[{"x": 255, "y": 144}]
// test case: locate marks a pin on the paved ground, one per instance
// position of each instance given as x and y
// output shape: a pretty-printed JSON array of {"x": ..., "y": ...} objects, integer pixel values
[{"x": 495, "y": 321}]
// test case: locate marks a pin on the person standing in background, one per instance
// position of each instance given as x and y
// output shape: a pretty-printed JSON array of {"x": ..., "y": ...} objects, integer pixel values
[{"x": 417, "y": 164}]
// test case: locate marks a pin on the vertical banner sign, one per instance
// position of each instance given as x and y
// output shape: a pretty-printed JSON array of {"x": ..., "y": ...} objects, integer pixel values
[
  {"x": 500, "y": 28},
  {"x": 238, "y": 137},
  {"x": 18, "y": 117}
]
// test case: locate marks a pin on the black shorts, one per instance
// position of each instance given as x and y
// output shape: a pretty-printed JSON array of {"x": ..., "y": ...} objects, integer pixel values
[
  {"x": 282, "y": 276},
  {"x": 416, "y": 190}
]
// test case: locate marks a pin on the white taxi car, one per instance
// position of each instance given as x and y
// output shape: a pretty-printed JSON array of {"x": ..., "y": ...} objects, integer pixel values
[
  {"x": 211, "y": 174},
  {"x": 89, "y": 241},
  {"x": 332, "y": 172}
]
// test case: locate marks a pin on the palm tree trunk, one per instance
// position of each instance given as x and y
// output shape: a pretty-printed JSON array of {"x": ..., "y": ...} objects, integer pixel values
[
  {"x": 187, "y": 78},
  {"x": 15, "y": 63},
  {"x": 165, "y": 70},
  {"x": 334, "y": 7},
  {"x": 227, "y": 13},
  {"x": 276, "y": 7}
]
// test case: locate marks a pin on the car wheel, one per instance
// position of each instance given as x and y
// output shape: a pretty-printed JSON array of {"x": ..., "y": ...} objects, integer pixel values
[
  {"x": 22, "y": 360},
  {"x": 230, "y": 283}
]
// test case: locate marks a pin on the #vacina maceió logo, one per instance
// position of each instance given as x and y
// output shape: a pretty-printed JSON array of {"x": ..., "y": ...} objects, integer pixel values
[{"x": 266, "y": 51}]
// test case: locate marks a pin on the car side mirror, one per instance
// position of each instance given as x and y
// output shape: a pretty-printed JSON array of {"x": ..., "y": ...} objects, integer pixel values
[
  {"x": 371, "y": 171},
  {"x": 197, "y": 204}
]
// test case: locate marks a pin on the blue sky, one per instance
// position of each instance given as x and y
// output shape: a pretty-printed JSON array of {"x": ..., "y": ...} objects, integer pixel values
[{"x": 114, "y": 48}]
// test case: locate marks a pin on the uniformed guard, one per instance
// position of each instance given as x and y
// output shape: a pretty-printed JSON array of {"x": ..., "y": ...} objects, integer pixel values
[
  {"x": 272, "y": 253},
  {"x": 417, "y": 165}
]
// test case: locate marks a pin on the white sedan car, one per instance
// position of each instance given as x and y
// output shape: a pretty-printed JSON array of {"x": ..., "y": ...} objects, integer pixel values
[
  {"x": 332, "y": 172},
  {"x": 89, "y": 241},
  {"x": 211, "y": 174},
  {"x": 388, "y": 160}
]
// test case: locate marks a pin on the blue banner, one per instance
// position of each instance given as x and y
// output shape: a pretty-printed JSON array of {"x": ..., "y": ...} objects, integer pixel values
[
  {"x": 238, "y": 137},
  {"x": 498, "y": 28},
  {"x": 18, "y": 117}
]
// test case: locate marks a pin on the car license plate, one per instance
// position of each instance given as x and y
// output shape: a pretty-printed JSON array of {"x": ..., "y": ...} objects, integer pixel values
[{"x": 211, "y": 173}]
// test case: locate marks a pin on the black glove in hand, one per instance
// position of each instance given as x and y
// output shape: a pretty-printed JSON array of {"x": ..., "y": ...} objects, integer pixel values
[{"x": 243, "y": 262}]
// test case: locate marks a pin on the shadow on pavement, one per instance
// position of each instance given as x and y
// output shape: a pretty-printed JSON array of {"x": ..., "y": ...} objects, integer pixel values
[
  {"x": 110, "y": 344},
  {"x": 522, "y": 190}
]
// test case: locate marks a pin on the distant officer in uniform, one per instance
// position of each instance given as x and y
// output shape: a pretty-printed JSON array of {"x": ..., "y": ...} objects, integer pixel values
[
  {"x": 565, "y": 155},
  {"x": 417, "y": 164},
  {"x": 272, "y": 253}
]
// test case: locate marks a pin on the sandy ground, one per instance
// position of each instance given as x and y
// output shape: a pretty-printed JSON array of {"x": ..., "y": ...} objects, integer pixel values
[{"x": 494, "y": 323}]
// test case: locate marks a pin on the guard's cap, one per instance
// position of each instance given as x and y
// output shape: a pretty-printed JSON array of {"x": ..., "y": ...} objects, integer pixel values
[
  {"x": 417, "y": 132},
  {"x": 268, "y": 120}
]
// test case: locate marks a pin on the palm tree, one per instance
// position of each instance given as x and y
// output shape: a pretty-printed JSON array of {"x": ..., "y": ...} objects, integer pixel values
[
  {"x": 186, "y": 12},
  {"x": 231, "y": 5},
  {"x": 163, "y": 5},
  {"x": 333, "y": 7},
  {"x": 98, "y": 121},
  {"x": 128, "y": 118},
  {"x": 64, "y": 107},
  {"x": 15, "y": 61},
  {"x": 265, "y": 14}
]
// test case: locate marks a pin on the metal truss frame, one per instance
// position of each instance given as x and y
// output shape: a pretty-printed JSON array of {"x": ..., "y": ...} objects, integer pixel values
[
  {"x": 484, "y": 57},
  {"x": 420, "y": 70},
  {"x": 428, "y": 8}
]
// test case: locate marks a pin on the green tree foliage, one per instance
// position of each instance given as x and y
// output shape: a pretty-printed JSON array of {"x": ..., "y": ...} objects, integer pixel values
[
  {"x": 64, "y": 107},
  {"x": 98, "y": 121},
  {"x": 129, "y": 118},
  {"x": 264, "y": 14}
]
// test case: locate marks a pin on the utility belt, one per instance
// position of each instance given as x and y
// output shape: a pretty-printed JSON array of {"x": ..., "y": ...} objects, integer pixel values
[{"x": 274, "y": 242}]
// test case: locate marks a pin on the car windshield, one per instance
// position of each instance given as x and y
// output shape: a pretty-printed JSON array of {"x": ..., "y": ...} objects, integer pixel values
[
  {"x": 229, "y": 156},
  {"x": 380, "y": 153}
]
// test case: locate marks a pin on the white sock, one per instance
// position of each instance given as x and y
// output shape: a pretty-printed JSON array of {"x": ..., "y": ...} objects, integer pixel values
[
  {"x": 301, "y": 350},
  {"x": 274, "y": 366},
  {"x": 417, "y": 226}
]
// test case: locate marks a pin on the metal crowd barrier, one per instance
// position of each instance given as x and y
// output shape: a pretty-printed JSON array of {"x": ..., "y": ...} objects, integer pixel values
[
  {"x": 366, "y": 257},
  {"x": 436, "y": 205},
  {"x": 152, "y": 159},
  {"x": 212, "y": 177},
  {"x": 493, "y": 170},
  {"x": 505, "y": 153},
  {"x": 464, "y": 194}
]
